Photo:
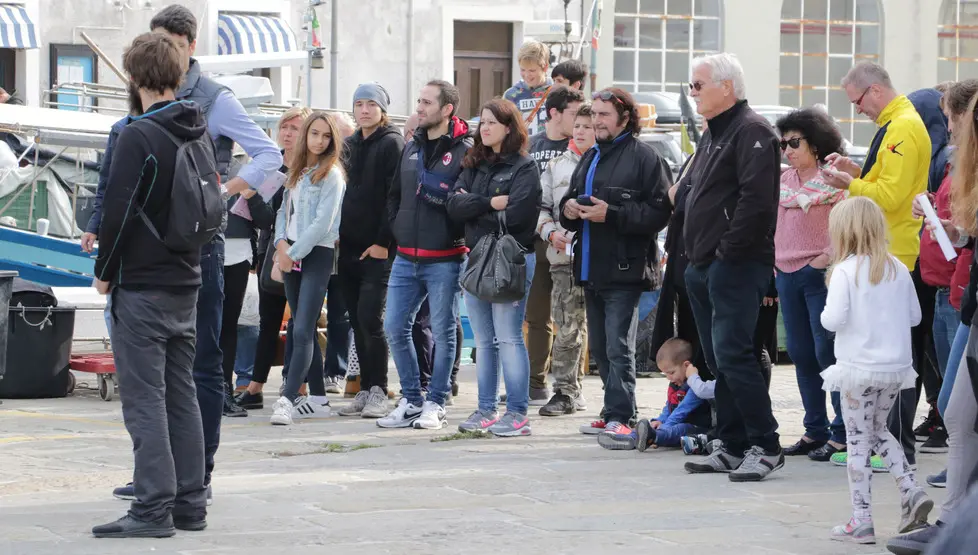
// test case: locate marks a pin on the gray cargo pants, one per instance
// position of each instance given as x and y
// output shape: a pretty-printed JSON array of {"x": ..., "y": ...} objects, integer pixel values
[{"x": 153, "y": 335}]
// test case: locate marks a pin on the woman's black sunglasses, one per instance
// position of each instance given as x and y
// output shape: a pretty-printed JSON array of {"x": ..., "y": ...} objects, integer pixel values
[{"x": 793, "y": 142}]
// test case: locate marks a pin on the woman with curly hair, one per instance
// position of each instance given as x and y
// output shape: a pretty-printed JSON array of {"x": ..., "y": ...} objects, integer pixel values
[{"x": 802, "y": 253}]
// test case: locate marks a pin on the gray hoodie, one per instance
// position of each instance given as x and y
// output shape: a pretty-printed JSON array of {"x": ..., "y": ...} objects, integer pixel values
[{"x": 555, "y": 180}]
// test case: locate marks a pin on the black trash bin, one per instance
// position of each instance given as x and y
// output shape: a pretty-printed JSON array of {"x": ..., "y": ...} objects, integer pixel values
[{"x": 38, "y": 344}]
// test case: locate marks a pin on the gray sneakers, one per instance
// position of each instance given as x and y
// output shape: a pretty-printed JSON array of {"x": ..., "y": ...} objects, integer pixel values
[
  {"x": 862, "y": 533},
  {"x": 757, "y": 464},
  {"x": 916, "y": 506},
  {"x": 479, "y": 421},
  {"x": 333, "y": 385},
  {"x": 718, "y": 461},
  {"x": 377, "y": 405},
  {"x": 511, "y": 425},
  {"x": 356, "y": 406}
]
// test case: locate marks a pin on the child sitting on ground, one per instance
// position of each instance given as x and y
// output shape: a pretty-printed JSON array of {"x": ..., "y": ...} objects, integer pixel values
[{"x": 685, "y": 412}]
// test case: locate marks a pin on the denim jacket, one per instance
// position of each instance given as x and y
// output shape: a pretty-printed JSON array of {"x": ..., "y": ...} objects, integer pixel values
[{"x": 317, "y": 212}]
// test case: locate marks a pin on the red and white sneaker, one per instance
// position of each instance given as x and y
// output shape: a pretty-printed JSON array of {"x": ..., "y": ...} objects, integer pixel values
[{"x": 594, "y": 428}]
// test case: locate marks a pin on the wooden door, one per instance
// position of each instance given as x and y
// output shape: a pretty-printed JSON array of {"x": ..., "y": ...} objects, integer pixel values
[{"x": 480, "y": 79}]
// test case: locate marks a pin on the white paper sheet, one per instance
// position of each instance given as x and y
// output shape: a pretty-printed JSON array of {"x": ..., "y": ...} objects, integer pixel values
[
  {"x": 931, "y": 216},
  {"x": 267, "y": 190}
]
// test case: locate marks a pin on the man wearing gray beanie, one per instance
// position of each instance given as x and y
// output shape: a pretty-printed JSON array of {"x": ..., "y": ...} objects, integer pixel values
[{"x": 372, "y": 155}]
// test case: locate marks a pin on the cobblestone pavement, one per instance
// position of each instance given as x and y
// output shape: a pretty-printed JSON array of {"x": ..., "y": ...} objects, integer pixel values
[{"x": 346, "y": 486}]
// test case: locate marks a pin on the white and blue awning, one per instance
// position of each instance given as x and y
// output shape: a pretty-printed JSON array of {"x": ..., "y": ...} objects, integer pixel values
[
  {"x": 253, "y": 34},
  {"x": 16, "y": 28}
]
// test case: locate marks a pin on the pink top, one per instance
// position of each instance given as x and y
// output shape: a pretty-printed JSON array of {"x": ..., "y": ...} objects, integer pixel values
[{"x": 801, "y": 235}]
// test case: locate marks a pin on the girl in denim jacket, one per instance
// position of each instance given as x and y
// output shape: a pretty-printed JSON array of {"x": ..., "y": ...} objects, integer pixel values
[{"x": 307, "y": 230}]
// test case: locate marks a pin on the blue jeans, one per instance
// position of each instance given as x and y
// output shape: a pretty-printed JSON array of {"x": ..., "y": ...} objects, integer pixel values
[
  {"x": 811, "y": 348},
  {"x": 244, "y": 359},
  {"x": 612, "y": 325},
  {"x": 953, "y": 361},
  {"x": 208, "y": 359},
  {"x": 946, "y": 321},
  {"x": 668, "y": 436},
  {"x": 498, "y": 329},
  {"x": 726, "y": 300},
  {"x": 306, "y": 292},
  {"x": 409, "y": 283}
]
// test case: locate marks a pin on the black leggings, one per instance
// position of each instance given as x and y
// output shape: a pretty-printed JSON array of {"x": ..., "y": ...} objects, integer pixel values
[{"x": 235, "y": 284}]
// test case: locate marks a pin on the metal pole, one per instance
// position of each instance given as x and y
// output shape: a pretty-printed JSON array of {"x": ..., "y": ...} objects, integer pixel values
[
  {"x": 410, "y": 56},
  {"x": 309, "y": 48},
  {"x": 334, "y": 51},
  {"x": 30, "y": 206},
  {"x": 98, "y": 51}
]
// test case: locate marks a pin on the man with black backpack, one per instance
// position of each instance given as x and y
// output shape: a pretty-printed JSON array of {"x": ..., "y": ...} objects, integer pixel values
[{"x": 163, "y": 202}]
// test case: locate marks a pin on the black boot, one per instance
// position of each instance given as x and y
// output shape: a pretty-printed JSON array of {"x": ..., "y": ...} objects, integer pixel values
[
  {"x": 128, "y": 527},
  {"x": 231, "y": 409}
]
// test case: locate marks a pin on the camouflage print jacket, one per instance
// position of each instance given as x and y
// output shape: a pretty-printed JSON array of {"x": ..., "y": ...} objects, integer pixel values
[{"x": 555, "y": 180}]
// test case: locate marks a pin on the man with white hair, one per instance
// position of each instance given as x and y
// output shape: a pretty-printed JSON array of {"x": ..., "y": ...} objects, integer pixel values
[{"x": 731, "y": 212}]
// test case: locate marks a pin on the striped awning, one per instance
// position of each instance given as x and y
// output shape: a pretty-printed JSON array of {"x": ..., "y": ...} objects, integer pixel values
[
  {"x": 16, "y": 28},
  {"x": 253, "y": 34}
]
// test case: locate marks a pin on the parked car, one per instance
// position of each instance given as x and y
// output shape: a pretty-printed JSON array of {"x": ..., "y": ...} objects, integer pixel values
[{"x": 667, "y": 146}]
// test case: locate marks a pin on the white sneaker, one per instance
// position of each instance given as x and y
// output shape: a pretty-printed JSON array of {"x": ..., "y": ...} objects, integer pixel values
[
  {"x": 376, "y": 405},
  {"x": 403, "y": 416},
  {"x": 282, "y": 412},
  {"x": 432, "y": 417},
  {"x": 580, "y": 403},
  {"x": 333, "y": 385},
  {"x": 305, "y": 408}
]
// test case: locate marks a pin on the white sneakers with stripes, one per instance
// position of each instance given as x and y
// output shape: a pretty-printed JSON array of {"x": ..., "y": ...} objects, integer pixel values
[{"x": 285, "y": 412}]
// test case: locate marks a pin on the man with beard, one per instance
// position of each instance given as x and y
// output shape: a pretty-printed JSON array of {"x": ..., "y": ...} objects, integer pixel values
[
  {"x": 616, "y": 204},
  {"x": 430, "y": 250},
  {"x": 227, "y": 124}
]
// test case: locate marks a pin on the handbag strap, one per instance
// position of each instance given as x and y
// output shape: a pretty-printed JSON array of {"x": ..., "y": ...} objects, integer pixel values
[
  {"x": 539, "y": 105},
  {"x": 501, "y": 220}
]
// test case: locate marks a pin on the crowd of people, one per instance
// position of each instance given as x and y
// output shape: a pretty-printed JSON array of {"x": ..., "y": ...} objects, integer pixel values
[{"x": 554, "y": 230}]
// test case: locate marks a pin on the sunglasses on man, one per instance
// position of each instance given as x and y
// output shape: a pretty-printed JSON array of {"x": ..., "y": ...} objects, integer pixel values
[{"x": 606, "y": 96}]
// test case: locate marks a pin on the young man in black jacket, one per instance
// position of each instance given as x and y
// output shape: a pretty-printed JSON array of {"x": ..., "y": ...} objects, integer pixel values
[
  {"x": 617, "y": 204},
  {"x": 430, "y": 250},
  {"x": 731, "y": 212},
  {"x": 154, "y": 298},
  {"x": 364, "y": 263}
]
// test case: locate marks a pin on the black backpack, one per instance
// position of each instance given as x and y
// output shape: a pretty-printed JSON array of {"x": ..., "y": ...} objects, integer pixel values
[{"x": 197, "y": 202}]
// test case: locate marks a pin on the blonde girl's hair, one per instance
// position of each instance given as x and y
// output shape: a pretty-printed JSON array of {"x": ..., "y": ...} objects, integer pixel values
[
  {"x": 964, "y": 192},
  {"x": 327, "y": 160},
  {"x": 857, "y": 228},
  {"x": 292, "y": 113}
]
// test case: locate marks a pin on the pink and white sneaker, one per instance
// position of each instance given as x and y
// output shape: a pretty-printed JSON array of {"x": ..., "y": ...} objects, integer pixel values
[
  {"x": 479, "y": 421},
  {"x": 594, "y": 428}
]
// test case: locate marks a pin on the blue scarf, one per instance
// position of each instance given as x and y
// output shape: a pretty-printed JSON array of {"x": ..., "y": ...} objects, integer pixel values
[{"x": 589, "y": 190}]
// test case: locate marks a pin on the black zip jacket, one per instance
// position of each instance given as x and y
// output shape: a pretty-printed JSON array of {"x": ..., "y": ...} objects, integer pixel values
[
  {"x": 634, "y": 181},
  {"x": 732, "y": 208},
  {"x": 141, "y": 175},
  {"x": 371, "y": 165},
  {"x": 419, "y": 220},
  {"x": 513, "y": 175},
  {"x": 262, "y": 218}
]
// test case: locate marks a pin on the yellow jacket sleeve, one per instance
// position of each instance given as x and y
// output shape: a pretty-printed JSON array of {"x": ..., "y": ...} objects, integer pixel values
[{"x": 897, "y": 176}]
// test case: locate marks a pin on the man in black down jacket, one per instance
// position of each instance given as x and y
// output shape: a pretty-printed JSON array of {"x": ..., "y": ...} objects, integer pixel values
[
  {"x": 615, "y": 256},
  {"x": 364, "y": 264},
  {"x": 731, "y": 211}
]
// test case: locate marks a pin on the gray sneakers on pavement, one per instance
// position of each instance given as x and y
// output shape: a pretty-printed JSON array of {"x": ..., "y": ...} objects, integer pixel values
[
  {"x": 479, "y": 421},
  {"x": 720, "y": 460},
  {"x": 916, "y": 506},
  {"x": 757, "y": 464},
  {"x": 377, "y": 405},
  {"x": 511, "y": 425},
  {"x": 356, "y": 405}
]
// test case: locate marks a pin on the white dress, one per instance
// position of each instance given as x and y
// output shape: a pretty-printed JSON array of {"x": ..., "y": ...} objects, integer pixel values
[{"x": 872, "y": 326}]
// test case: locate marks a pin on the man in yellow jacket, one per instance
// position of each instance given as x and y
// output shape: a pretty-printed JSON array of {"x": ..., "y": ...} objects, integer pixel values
[{"x": 898, "y": 162}]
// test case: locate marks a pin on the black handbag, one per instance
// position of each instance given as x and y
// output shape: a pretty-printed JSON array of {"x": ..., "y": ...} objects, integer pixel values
[
  {"x": 265, "y": 281},
  {"x": 496, "y": 269}
]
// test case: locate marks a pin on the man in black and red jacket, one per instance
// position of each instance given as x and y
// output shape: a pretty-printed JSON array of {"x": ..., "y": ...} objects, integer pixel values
[{"x": 430, "y": 253}]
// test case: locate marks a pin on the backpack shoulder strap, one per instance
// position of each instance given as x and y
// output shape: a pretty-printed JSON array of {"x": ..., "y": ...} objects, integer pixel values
[{"x": 173, "y": 138}]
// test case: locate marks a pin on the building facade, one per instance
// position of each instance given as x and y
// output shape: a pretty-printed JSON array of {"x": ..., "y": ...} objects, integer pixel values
[{"x": 794, "y": 52}]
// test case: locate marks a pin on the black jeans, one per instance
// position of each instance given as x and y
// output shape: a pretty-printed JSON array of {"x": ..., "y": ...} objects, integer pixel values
[
  {"x": 235, "y": 284},
  {"x": 306, "y": 292},
  {"x": 337, "y": 331},
  {"x": 315, "y": 376},
  {"x": 726, "y": 299},
  {"x": 271, "y": 310},
  {"x": 208, "y": 359},
  {"x": 364, "y": 287},
  {"x": 612, "y": 325}
]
